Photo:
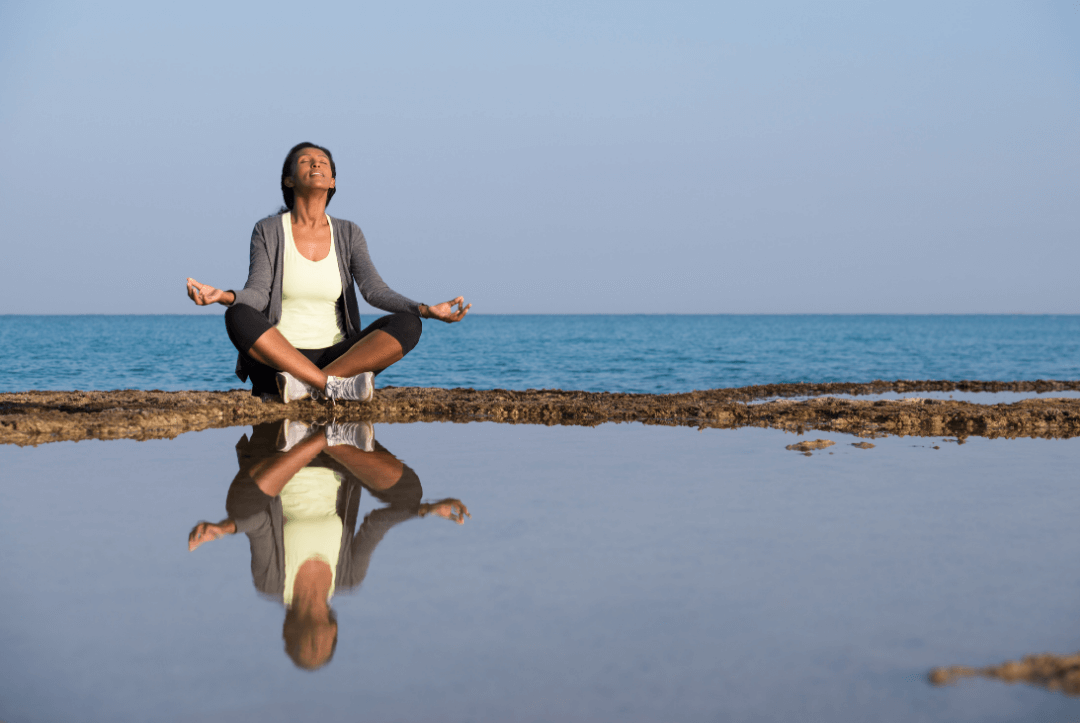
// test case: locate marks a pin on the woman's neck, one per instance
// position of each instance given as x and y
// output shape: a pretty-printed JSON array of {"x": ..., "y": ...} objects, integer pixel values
[
  {"x": 311, "y": 589},
  {"x": 309, "y": 210}
]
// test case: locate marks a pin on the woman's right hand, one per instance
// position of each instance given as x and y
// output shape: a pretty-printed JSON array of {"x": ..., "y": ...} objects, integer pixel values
[
  {"x": 204, "y": 294},
  {"x": 208, "y": 532}
]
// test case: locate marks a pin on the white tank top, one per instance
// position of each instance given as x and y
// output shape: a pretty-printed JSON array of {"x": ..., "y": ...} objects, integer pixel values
[
  {"x": 309, "y": 294},
  {"x": 312, "y": 527}
]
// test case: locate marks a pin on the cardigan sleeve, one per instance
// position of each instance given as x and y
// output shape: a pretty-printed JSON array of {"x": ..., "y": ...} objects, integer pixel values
[
  {"x": 372, "y": 287},
  {"x": 256, "y": 291}
]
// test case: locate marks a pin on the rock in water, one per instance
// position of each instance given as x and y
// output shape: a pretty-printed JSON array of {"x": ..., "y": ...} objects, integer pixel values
[{"x": 809, "y": 445}]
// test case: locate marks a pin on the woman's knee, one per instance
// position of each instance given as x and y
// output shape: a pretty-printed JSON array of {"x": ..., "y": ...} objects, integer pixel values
[
  {"x": 405, "y": 328},
  {"x": 411, "y": 327},
  {"x": 244, "y": 326},
  {"x": 238, "y": 314}
]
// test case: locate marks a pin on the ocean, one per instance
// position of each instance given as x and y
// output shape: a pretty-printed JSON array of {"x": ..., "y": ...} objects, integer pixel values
[{"x": 613, "y": 353}]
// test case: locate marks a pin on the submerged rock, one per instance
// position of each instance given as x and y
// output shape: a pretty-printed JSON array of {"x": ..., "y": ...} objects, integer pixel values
[
  {"x": 809, "y": 445},
  {"x": 1053, "y": 672}
]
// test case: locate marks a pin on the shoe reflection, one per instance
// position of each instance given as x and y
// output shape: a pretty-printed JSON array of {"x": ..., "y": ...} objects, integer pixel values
[{"x": 297, "y": 497}]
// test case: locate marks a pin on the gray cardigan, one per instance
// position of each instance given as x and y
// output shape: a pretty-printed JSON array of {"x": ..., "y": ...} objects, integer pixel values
[
  {"x": 263, "y": 288},
  {"x": 262, "y": 291}
]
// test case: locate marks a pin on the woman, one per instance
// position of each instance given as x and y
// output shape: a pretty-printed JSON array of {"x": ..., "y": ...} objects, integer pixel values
[{"x": 296, "y": 323}]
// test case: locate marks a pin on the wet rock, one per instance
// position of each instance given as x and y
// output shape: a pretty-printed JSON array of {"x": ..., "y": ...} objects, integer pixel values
[
  {"x": 862, "y": 445},
  {"x": 1053, "y": 672},
  {"x": 810, "y": 445},
  {"x": 38, "y": 417}
]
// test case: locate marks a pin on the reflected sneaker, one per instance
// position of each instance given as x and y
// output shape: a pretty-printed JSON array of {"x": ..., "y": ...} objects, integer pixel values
[
  {"x": 358, "y": 434},
  {"x": 292, "y": 388},
  {"x": 360, "y": 388},
  {"x": 291, "y": 434}
]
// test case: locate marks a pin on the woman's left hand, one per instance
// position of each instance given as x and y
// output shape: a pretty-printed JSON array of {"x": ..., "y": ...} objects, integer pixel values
[
  {"x": 204, "y": 294},
  {"x": 445, "y": 311},
  {"x": 449, "y": 509}
]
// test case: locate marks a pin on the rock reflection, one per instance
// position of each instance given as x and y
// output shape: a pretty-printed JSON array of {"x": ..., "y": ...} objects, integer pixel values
[
  {"x": 297, "y": 498},
  {"x": 1053, "y": 672}
]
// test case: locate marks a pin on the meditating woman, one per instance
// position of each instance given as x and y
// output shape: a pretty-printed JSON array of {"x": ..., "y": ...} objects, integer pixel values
[{"x": 296, "y": 323}]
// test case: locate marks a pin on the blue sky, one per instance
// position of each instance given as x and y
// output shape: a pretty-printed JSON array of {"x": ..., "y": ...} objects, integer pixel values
[{"x": 556, "y": 157}]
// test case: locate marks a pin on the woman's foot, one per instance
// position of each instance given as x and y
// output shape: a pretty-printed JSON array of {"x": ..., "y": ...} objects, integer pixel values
[
  {"x": 292, "y": 433},
  {"x": 360, "y": 388},
  {"x": 292, "y": 389},
  {"x": 356, "y": 434}
]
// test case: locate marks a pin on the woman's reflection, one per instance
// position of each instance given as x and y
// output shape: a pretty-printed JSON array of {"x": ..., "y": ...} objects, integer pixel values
[{"x": 296, "y": 497}]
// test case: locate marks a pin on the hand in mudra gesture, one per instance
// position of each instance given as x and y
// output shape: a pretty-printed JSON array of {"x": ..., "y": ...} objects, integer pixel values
[
  {"x": 204, "y": 294},
  {"x": 445, "y": 311},
  {"x": 450, "y": 508}
]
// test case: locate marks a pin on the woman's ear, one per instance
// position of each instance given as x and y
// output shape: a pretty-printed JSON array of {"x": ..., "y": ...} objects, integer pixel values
[{"x": 288, "y": 182}]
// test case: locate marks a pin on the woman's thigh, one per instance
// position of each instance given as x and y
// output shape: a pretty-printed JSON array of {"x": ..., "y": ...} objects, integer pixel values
[{"x": 405, "y": 328}]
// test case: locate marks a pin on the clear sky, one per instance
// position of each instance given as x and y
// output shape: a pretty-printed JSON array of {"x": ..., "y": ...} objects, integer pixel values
[{"x": 554, "y": 157}]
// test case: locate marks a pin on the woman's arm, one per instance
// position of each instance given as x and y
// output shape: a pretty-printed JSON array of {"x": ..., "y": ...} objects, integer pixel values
[{"x": 256, "y": 291}]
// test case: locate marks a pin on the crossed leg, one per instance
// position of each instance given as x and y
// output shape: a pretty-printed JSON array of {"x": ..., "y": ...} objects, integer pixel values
[
  {"x": 382, "y": 343},
  {"x": 373, "y": 353}
]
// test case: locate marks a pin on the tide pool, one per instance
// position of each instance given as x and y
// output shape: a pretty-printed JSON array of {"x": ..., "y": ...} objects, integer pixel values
[{"x": 617, "y": 573}]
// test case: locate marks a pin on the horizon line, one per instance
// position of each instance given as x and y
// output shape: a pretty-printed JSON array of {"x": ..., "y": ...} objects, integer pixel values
[{"x": 642, "y": 313}]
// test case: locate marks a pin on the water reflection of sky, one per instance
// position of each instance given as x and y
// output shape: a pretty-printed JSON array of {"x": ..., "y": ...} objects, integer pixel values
[{"x": 617, "y": 573}]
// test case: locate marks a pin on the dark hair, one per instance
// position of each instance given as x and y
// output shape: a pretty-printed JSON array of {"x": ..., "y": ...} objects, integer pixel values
[
  {"x": 287, "y": 170},
  {"x": 296, "y": 631}
]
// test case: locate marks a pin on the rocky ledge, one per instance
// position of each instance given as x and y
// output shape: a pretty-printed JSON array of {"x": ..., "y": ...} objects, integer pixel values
[{"x": 38, "y": 417}]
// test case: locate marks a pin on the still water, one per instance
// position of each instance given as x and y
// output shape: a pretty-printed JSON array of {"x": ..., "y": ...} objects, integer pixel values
[{"x": 620, "y": 573}]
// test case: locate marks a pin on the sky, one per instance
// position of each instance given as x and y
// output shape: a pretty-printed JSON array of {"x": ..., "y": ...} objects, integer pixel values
[{"x": 554, "y": 157}]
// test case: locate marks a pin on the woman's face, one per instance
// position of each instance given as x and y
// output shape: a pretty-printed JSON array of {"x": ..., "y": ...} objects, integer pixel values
[{"x": 311, "y": 170}]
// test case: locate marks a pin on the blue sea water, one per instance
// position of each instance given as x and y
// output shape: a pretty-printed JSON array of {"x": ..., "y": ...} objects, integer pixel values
[{"x": 616, "y": 353}]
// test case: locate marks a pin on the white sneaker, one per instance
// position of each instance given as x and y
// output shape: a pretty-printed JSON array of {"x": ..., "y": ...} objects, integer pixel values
[
  {"x": 291, "y": 434},
  {"x": 360, "y": 388},
  {"x": 358, "y": 434},
  {"x": 292, "y": 388}
]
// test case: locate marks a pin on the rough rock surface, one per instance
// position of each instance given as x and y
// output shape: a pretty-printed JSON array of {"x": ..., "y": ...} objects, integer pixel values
[
  {"x": 38, "y": 417},
  {"x": 811, "y": 444},
  {"x": 1053, "y": 672}
]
